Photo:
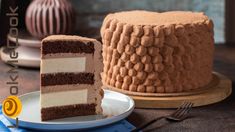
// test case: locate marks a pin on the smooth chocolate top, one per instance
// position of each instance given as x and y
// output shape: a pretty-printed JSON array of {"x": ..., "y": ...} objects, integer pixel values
[
  {"x": 67, "y": 44},
  {"x": 139, "y": 17}
]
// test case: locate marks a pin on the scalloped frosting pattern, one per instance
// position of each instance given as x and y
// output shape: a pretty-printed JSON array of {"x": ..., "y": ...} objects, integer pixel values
[{"x": 157, "y": 58}]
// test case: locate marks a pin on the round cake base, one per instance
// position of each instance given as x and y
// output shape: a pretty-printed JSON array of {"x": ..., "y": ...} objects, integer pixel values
[
  {"x": 28, "y": 57},
  {"x": 25, "y": 39},
  {"x": 219, "y": 89}
]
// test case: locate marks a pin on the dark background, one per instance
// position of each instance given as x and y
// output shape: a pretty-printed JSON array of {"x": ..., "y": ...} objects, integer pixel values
[
  {"x": 90, "y": 14},
  {"x": 4, "y": 20}
]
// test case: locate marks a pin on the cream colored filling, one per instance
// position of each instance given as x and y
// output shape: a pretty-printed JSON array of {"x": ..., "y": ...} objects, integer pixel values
[
  {"x": 54, "y": 65},
  {"x": 64, "y": 98}
]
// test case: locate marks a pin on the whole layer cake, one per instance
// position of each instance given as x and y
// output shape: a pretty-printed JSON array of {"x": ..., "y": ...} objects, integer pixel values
[
  {"x": 70, "y": 77},
  {"x": 150, "y": 52}
]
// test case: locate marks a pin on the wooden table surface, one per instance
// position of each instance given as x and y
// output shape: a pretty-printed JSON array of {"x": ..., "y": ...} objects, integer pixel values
[{"x": 217, "y": 117}]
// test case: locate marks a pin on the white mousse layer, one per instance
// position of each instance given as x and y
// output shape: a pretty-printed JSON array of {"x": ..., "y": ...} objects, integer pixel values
[
  {"x": 54, "y": 65},
  {"x": 64, "y": 98}
]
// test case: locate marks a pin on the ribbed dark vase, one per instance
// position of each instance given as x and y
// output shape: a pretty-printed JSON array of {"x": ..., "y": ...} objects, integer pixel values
[{"x": 48, "y": 17}]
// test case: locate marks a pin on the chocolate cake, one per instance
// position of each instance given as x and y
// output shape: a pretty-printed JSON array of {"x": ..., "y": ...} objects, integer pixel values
[
  {"x": 150, "y": 52},
  {"x": 70, "y": 77}
]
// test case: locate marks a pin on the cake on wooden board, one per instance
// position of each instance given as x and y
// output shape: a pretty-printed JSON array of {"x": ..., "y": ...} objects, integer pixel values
[
  {"x": 150, "y": 52},
  {"x": 70, "y": 83}
]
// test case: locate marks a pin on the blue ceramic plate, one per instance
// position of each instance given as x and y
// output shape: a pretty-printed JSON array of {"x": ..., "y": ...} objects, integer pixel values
[{"x": 116, "y": 106}]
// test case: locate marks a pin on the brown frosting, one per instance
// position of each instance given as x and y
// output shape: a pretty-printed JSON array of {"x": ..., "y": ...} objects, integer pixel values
[
  {"x": 158, "y": 52},
  {"x": 148, "y": 18}
]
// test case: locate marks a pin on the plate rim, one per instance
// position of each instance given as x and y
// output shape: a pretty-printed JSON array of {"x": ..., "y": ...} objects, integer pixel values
[{"x": 95, "y": 123}]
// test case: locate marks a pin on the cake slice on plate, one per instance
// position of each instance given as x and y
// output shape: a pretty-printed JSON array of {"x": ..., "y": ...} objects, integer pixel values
[{"x": 70, "y": 77}]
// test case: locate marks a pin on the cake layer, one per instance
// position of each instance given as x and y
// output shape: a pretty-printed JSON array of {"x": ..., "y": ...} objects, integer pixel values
[
  {"x": 68, "y": 38},
  {"x": 76, "y": 64},
  {"x": 67, "y": 55},
  {"x": 66, "y": 78},
  {"x": 69, "y": 46},
  {"x": 67, "y": 111},
  {"x": 59, "y": 88},
  {"x": 67, "y": 98},
  {"x": 57, "y": 98},
  {"x": 54, "y": 63}
]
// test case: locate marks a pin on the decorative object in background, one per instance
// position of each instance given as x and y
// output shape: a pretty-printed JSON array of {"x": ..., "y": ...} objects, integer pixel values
[
  {"x": 28, "y": 50},
  {"x": 47, "y": 17},
  {"x": 43, "y": 18}
]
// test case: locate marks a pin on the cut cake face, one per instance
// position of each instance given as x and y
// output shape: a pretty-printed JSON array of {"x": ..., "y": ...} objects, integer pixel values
[{"x": 70, "y": 77}]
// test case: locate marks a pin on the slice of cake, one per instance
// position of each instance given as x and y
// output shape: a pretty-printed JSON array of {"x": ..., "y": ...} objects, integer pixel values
[{"x": 70, "y": 77}]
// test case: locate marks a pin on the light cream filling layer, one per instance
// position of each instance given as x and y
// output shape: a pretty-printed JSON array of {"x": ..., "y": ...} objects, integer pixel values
[
  {"x": 67, "y": 64},
  {"x": 62, "y": 98}
]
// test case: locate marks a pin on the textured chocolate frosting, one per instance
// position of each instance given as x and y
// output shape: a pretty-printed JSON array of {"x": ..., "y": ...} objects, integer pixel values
[{"x": 157, "y": 52}]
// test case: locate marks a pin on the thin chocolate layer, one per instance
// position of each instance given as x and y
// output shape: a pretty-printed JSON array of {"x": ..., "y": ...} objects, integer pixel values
[
  {"x": 49, "y": 79},
  {"x": 67, "y": 111},
  {"x": 58, "y": 46},
  {"x": 68, "y": 87}
]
